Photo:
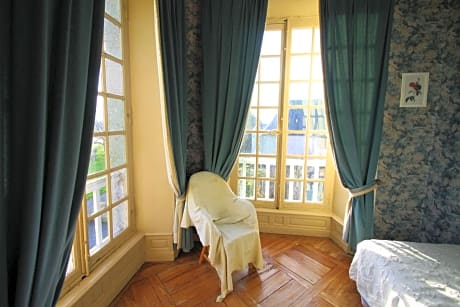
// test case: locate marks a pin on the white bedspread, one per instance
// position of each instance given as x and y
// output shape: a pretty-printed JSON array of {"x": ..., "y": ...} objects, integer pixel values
[{"x": 396, "y": 273}]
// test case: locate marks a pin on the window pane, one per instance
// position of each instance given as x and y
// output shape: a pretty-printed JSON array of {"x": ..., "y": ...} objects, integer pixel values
[
  {"x": 273, "y": 169},
  {"x": 301, "y": 40},
  {"x": 298, "y": 93},
  {"x": 262, "y": 170},
  {"x": 296, "y": 144},
  {"x": 70, "y": 264},
  {"x": 248, "y": 144},
  {"x": 99, "y": 117},
  {"x": 317, "y": 43},
  {"x": 114, "y": 77},
  {"x": 271, "y": 190},
  {"x": 98, "y": 233},
  {"x": 317, "y": 119},
  {"x": 97, "y": 158},
  {"x": 317, "y": 145},
  {"x": 116, "y": 114},
  {"x": 246, "y": 188},
  {"x": 267, "y": 167},
  {"x": 112, "y": 39},
  {"x": 251, "y": 121},
  {"x": 119, "y": 184},
  {"x": 96, "y": 195},
  {"x": 255, "y": 95},
  {"x": 268, "y": 119},
  {"x": 317, "y": 94},
  {"x": 246, "y": 166},
  {"x": 265, "y": 190},
  {"x": 120, "y": 218},
  {"x": 267, "y": 144},
  {"x": 294, "y": 168},
  {"x": 117, "y": 146},
  {"x": 100, "y": 84},
  {"x": 293, "y": 191},
  {"x": 300, "y": 67},
  {"x": 316, "y": 168},
  {"x": 269, "y": 94},
  {"x": 112, "y": 7},
  {"x": 317, "y": 71},
  {"x": 270, "y": 69},
  {"x": 296, "y": 119},
  {"x": 314, "y": 192},
  {"x": 271, "y": 43}
]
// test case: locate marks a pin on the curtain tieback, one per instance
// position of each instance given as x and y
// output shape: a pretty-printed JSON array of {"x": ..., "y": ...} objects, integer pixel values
[
  {"x": 180, "y": 198},
  {"x": 355, "y": 193},
  {"x": 364, "y": 190},
  {"x": 349, "y": 208}
]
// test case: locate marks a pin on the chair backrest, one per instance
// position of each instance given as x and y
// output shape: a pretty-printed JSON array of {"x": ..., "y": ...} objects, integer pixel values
[{"x": 210, "y": 191}]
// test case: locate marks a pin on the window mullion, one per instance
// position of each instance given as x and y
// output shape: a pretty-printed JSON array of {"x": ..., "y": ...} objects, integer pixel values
[
  {"x": 84, "y": 243},
  {"x": 285, "y": 112}
]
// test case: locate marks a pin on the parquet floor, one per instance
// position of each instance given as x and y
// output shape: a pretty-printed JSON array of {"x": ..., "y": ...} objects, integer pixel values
[{"x": 298, "y": 271}]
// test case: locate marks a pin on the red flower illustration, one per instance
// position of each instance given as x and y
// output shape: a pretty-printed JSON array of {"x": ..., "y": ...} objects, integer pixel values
[{"x": 416, "y": 86}]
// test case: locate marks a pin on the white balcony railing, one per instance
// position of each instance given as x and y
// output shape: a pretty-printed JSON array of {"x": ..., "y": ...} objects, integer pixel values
[
  {"x": 265, "y": 189},
  {"x": 96, "y": 201}
]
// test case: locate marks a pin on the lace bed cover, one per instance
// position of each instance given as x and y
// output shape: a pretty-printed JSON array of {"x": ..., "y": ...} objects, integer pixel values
[{"x": 397, "y": 273}]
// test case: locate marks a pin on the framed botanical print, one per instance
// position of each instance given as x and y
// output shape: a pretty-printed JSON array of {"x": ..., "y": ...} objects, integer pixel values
[{"x": 414, "y": 90}]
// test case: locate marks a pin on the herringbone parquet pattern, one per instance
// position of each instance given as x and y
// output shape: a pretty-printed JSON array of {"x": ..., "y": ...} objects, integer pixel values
[{"x": 298, "y": 271}]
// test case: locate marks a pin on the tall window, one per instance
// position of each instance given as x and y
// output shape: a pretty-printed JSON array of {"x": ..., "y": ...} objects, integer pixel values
[
  {"x": 284, "y": 158},
  {"x": 105, "y": 214}
]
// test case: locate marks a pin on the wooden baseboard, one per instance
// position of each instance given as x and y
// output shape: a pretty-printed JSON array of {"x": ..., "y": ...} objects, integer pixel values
[
  {"x": 282, "y": 222},
  {"x": 109, "y": 278},
  {"x": 295, "y": 223},
  {"x": 336, "y": 234},
  {"x": 158, "y": 247}
]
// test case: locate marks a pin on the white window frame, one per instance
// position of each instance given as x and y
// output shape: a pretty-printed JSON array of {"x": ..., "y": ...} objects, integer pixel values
[
  {"x": 84, "y": 263},
  {"x": 286, "y": 25}
]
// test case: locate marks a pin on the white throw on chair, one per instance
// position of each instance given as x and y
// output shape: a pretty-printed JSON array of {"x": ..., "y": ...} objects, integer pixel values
[{"x": 226, "y": 225}]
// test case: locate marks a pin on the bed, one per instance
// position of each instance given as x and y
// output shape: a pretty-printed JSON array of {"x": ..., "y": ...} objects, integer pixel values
[{"x": 397, "y": 273}]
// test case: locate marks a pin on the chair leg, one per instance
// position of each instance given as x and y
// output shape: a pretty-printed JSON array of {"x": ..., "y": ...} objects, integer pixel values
[{"x": 203, "y": 254}]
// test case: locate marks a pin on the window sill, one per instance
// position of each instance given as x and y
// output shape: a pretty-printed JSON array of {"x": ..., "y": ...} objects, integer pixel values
[{"x": 109, "y": 278}]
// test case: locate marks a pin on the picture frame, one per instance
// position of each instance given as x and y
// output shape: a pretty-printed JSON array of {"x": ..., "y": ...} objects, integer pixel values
[{"x": 414, "y": 90}]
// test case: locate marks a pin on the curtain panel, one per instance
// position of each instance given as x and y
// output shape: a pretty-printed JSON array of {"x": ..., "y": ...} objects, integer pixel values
[
  {"x": 231, "y": 33},
  {"x": 355, "y": 40},
  {"x": 175, "y": 109},
  {"x": 50, "y": 59}
]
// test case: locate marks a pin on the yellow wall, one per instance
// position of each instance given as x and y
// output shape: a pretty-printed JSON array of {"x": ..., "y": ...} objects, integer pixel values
[
  {"x": 153, "y": 195},
  {"x": 292, "y": 8},
  {"x": 340, "y": 200}
]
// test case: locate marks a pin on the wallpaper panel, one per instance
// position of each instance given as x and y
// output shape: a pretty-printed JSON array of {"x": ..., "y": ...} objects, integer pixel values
[
  {"x": 419, "y": 199},
  {"x": 195, "y": 153}
]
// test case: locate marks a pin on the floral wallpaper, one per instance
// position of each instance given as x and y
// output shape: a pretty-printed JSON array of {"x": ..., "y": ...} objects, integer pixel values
[
  {"x": 194, "y": 68},
  {"x": 419, "y": 199}
]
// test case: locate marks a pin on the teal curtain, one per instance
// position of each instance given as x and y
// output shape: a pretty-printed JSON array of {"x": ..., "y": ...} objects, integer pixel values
[
  {"x": 231, "y": 33},
  {"x": 355, "y": 40},
  {"x": 173, "y": 52},
  {"x": 50, "y": 58}
]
